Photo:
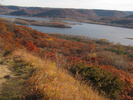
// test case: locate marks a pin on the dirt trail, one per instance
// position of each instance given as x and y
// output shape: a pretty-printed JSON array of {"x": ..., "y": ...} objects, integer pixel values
[{"x": 4, "y": 71}]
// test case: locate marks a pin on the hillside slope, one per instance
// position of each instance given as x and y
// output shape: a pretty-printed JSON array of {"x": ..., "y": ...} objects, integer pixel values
[
  {"x": 110, "y": 13},
  {"x": 130, "y": 16},
  {"x": 107, "y": 69},
  {"x": 22, "y": 12},
  {"x": 82, "y": 13},
  {"x": 36, "y": 79},
  {"x": 62, "y": 13},
  {"x": 5, "y": 10}
]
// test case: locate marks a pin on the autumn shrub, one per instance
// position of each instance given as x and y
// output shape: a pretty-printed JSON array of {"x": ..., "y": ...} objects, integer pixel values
[
  {"x": 114, "y": 50},
  {"x": 119, "y": 52},
  {"x": 10, "y": 26},
  {"x": 31, "y": 47},
  {"x": 2, "y": 25},
  {"x": 108, "y": 82},
  {"x": 114, "y": 60}
]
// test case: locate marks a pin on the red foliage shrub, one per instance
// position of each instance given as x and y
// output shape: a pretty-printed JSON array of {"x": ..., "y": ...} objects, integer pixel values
[
  {"x": 31, "y": 47},
  {"x": 94, "y": 59},
  {"x": 73, "y": 60}
]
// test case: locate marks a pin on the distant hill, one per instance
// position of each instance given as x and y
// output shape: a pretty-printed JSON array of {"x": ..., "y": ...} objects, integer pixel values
[
  {"x": 62, "y": 13},
  {"x": 5, "y": 10},
  {"x": 129, "y": 12},
  {"x": 130, "y": 16},
  {"x": 15, "y": 7},
  {"x": 34, "y": 8},
  {"x": 22, "y": 12},
  {"x": 110, "y": 13},
  {"x": 39, "y": 10},
  {"x": 81, "y": 13},
  {"x": 29, "y": 11},
  {"x": 88, "y": 13}
]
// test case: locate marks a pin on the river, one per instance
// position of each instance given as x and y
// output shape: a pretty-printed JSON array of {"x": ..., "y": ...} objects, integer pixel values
[{"x": 111, "y": 33}]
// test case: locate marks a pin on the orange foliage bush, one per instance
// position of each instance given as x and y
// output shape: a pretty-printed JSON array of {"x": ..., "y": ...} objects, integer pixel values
[{"x": 31, "y": 47}]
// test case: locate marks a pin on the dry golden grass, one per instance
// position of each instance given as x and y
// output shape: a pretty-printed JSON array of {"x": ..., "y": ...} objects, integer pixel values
[
  {"x": 55, "y": 82},
  {"x": 21, "y": 22},
  {"x": 6, "y": 19}
]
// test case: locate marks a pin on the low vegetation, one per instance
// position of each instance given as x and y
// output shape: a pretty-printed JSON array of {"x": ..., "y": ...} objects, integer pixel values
[
  {"x": 108, "y": 82},
  {"x": 58, "y": 24},
  {"x": 6, "y": 19},
  {"x": 21, "y": 22}
]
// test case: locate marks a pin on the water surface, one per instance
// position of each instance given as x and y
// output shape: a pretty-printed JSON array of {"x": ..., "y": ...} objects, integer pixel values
[{"x": 111, "y": 33}]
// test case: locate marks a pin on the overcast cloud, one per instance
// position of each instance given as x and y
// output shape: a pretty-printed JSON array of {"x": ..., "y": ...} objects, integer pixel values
[{"x": 125, "y": 5}]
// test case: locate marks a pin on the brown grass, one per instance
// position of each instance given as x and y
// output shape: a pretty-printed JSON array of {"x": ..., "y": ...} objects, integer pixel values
[
  {"x": 21, "y": 22},
  {"x": 55, "y": 83},
  {"x": 6, "y": 19}
]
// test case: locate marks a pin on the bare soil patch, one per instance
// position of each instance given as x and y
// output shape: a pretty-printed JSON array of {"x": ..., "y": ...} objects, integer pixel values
[{"x": 4, "y": 74}]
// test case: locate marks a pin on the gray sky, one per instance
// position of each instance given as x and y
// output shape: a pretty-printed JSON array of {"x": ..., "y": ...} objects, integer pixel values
[{"x": 124, "y": 5}]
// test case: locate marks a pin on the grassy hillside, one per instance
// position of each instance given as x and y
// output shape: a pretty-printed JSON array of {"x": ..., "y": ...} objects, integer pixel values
[
  {"x": 56, "y": 66},
  {"x": 36, "y": 79}
]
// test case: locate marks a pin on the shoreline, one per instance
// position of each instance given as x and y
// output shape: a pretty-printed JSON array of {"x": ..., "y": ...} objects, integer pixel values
[{"x": 130, "y": 27}]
